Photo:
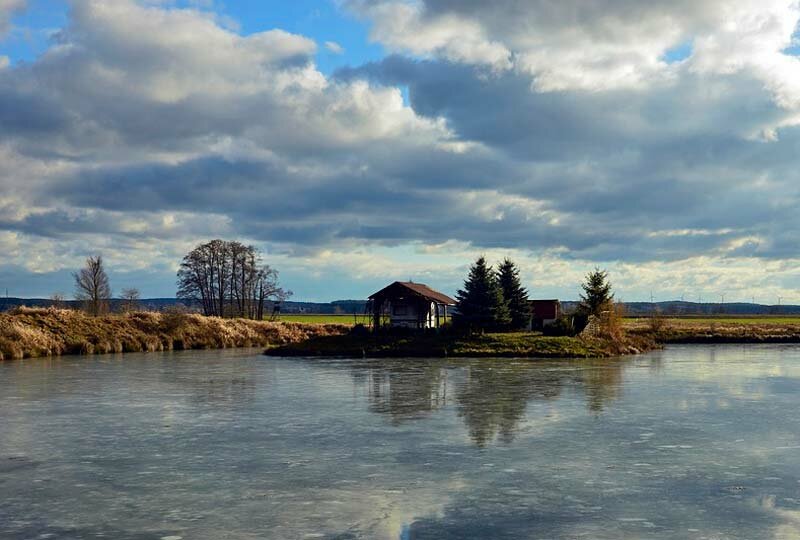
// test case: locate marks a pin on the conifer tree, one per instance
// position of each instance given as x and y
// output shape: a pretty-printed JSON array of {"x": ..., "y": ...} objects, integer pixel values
[
  {"x": 480, "y": 304},
  {"x": 597, "y": 292},
  {"x": 516, "y": 296}
]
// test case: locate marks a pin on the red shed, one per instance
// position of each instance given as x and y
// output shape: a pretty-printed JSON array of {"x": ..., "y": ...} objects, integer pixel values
[{"x": 544, "y": 312}]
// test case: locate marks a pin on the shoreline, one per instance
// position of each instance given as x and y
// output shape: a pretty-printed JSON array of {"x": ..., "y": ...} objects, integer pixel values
[
  {"x": 446, "y": 345},
  {"x": 47, "y": 332}
]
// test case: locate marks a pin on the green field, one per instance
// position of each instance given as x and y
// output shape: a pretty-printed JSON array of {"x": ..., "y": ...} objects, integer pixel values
[
  {"x": 322, "y": 319},
  {"x": 760, "y": 320}
]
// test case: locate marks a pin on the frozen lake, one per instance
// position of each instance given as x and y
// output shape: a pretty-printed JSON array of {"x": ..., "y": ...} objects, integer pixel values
[{"x": 692, "y": 442}]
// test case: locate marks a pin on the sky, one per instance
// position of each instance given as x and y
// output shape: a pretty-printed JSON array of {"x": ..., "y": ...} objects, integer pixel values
[{"x": 357, "y": 142}]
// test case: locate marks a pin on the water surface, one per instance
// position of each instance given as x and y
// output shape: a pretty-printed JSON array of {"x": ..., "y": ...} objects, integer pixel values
[{"x": 690, "y": 442}]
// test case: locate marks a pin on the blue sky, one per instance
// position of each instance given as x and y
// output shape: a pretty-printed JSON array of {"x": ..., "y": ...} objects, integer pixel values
[{"x": 360, "y": 141}]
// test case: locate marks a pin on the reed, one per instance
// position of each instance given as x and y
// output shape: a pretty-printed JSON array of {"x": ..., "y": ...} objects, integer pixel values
[{"x": 34, "y": 332}]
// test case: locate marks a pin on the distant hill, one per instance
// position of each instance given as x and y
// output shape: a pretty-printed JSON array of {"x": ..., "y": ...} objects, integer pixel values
[
  {"x": 152, "y": 304},
  {"x": 633, "y": 309},
  {"x": 676, "y": 307},
  {"x": 158, "y": 304}
]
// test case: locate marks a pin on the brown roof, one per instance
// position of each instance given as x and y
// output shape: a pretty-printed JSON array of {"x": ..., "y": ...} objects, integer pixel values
[{"x": 420, "y": 289}]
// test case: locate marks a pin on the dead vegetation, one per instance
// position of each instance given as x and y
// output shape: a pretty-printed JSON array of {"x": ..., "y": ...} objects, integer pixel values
[
  {"x": 33, "y": 332},
  {"x": 717, "y": 331}
]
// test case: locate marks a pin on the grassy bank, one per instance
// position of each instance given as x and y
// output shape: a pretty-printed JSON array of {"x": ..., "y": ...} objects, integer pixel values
[
  {"x": 424, "y": 344},
  {"x": 32, "y": 332}
]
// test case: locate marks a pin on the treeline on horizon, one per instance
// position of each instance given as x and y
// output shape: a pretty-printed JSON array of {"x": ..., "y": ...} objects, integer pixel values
[
  {"x": 229, "y": 279},
  {"x": 349, "y": 307}
]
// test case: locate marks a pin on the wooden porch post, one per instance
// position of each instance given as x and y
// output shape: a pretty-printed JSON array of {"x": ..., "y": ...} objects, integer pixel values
[{"x": 377, "y": 307}]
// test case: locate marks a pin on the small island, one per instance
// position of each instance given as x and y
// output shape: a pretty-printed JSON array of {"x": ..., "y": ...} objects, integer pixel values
[{"x": 492, "y": 316}]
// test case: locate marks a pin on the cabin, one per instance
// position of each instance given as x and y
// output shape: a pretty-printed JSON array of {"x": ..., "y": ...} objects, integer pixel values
[
  {"x": 544, "y": 313},
  {"x": 405, "y": 304}
]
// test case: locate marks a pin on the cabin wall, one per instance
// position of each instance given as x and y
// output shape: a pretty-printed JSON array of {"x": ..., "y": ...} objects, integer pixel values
[
  {"x": 413, "y": 315},
  {"x": 545, "y": 313},
  {"x": 404, "y": 314}
]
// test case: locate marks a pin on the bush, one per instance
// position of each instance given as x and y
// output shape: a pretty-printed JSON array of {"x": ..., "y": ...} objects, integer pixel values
[
  {"x": 656, "y": 322},
  {"x": 611, "y": 321},
  {"x": 563, "y": 326},
  {"x": 359, "y": 330}
]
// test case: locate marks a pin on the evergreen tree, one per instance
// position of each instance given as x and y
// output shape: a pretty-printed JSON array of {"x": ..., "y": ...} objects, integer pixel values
[
  {"x": 597, "y": 292},
  {"x": 480, "y": 304},
  {"x": 516, "y": 296}
]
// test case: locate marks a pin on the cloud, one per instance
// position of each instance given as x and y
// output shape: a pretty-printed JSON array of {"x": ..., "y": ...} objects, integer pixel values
[
  {"x": 334, "y": 47},
  {"x": 142, "y": 123},
  {"x": 8, "y": 8},
  {"x": 404, "y": 27},
  {"x": 617, "y": 168},
  {"x": 598, "y": 46}
]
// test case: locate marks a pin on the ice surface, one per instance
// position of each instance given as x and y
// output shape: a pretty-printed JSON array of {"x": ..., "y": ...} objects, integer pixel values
[{"x": 690, "y": 442}]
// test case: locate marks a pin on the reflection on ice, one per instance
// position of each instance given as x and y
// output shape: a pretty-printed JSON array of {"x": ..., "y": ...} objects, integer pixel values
[{"x": 691, "y": 442}]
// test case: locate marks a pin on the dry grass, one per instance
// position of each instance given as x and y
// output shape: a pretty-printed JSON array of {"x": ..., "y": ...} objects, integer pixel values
[
  {"x": 721, "y": 330},
  {"x": 32, "y": 332}
]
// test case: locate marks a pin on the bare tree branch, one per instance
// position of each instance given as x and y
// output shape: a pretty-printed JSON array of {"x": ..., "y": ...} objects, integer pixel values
[
  {"x": 92, "y": 288},
  {"x": 228, "y": 279}
]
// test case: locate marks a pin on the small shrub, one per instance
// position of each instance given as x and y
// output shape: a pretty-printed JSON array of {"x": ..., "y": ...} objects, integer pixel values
[
  {"x": 656, "y": 322},
  {"x": 563, "y": 326},
  {"x": 611, "y": 321},
  {"x": 360, "y": 330}
]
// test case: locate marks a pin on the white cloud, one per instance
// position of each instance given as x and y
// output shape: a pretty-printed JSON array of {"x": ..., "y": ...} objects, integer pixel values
[
  {"x": 334, "y": 47},
  {"x": 401, "y": 26},
  {"x": 598, "y": 46},
  {"x": 8, "y": 8}
]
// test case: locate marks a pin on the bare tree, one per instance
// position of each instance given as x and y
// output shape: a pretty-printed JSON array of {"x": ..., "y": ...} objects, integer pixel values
[
  {"x": 228, "y": 279},
  {"x": 130, "y": 299},
  {"x": 58, "y": 300},
  {"x": 91, "y": 286}
]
